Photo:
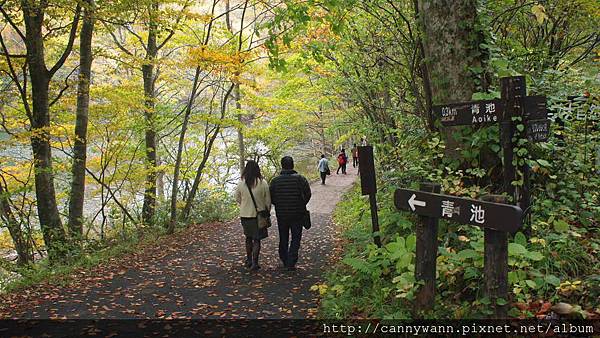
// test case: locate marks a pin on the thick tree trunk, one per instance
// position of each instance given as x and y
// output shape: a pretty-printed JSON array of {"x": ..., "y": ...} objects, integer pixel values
[
  {"x": 76, "y": 199},
  {"x": 22, "y": 246},
  {"x": 424, "y": 74},
  {"x": 50, "y": 222},
  {"x": 451, "y": 48},
  {"x": 149, "y": 207}
]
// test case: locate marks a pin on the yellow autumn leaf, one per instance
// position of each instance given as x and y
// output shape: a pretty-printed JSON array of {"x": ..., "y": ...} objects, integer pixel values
[{"x": 540, "y": 13}]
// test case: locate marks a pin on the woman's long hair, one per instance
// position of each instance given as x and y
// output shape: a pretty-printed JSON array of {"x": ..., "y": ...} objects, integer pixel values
[{"x": 251, "y": 173}]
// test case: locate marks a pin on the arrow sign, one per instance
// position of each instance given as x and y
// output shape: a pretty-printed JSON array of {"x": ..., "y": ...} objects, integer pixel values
[
  {"x": 412, "y": 202},
  {"x": 497, "y": 216}
]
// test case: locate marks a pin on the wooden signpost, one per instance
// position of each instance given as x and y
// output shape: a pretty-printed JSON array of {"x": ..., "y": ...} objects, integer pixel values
[
  {"x": 470, "y": 113},
  {"x": 492, "y": 214},
  {"x": 538, "y": 130},
  {"x": 501, "y": 217},
  {"x": 513, "y": 103},
  {"x": 536, "y": 118},
  {"x": 497, "y": 220},
  {"x": 534, "y": 107},
  {"x": 368, "y": 185}
]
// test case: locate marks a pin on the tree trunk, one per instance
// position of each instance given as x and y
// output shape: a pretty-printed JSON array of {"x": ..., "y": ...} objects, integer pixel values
[
  {"x": 24, "y": 250},
  {"x": 176, "y": 170},
  {"x": 206, "y": 155},
  {"x": 160, "y": 181},
  {"x": 50, "y": 222},
  {"x": 236, "y": 93},
  {"x": 424, "y": 74},
  {"x": 240, "y": 131},
  {"x": 81, "y": 123},
  {"x": 451, "y": 48},
  {"x": 149, "y": 207}
]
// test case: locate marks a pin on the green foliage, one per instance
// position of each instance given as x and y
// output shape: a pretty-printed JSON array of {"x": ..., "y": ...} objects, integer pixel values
[
  {"x": 369, "y": 280},
  {"x": 212, "y": 205}
]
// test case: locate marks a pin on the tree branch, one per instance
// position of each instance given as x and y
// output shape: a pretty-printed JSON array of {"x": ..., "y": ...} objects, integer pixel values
[
  {"x": 62, "y": 91},
  {"x": 9, "y": 20},
  {"x": 15, "y": 78},
  {"x": 69, "y": 47},
  {"x": 119, "y": 45}
]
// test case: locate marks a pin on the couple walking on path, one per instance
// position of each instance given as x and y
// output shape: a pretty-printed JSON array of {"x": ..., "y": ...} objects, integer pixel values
[
  {"x": 289, "y": 193},
  {"x": 196, "y": 273}
]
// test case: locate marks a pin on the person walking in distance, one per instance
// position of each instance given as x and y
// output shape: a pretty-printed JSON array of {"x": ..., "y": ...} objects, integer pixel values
[
  {"x": 342, "y": 160},
  {"x": 323, "y": 167},
  {"x": 354, "y": 156},
  {"x": 252, "y": 194},
  {"x": 290, "y": 192}
]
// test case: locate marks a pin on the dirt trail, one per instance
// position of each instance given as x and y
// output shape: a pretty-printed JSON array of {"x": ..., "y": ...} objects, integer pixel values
[{"x": 196, "y": 274}]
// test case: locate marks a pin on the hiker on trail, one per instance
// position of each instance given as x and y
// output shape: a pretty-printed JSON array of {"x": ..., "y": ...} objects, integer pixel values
[
  {"x": 342, "y": 160},
  {"x": 252, "y": 195},
  {"x": 323, "y": 167},
  {"x": 354, "y": 156},
  {"x": 290, "y": 192}
]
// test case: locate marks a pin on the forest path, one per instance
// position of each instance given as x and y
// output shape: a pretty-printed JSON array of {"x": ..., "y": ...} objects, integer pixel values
[{"x": 197, "y": 273}]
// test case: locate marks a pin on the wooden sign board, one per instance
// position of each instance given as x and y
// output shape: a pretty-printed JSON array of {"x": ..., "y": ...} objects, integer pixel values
[
  {"x": 538, "y": 130},
  {"x": 469, "y": 113},
  {"x": 497, "y": 216},
  {"x": 366, "y": 166},
  {"x": 534, "y": 107}
]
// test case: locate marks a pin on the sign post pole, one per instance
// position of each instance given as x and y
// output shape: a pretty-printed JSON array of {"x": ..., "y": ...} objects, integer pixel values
[
  {"x": 495, "y": 266},
  {"x": 426, "y": 255},
  {"x": 375, "y": 218},
  {"x": 512, "y": 89},
  {"x": 525, "y": 202}
]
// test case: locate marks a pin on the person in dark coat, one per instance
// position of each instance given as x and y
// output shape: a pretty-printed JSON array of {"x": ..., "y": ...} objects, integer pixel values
[{"x": 290, "y": 192}]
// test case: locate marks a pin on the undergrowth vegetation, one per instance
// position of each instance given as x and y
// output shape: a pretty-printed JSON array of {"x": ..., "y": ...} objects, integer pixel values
[{"x": 556, "y": 262}]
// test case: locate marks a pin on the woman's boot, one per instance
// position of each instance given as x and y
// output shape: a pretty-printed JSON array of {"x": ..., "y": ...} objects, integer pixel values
[
  {"x": 255, "y": 253},
  {"x": 248, "y": 262}
]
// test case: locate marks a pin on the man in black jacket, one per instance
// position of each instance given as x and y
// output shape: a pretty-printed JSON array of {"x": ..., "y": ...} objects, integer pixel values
[{"x": 290, "y": 192}]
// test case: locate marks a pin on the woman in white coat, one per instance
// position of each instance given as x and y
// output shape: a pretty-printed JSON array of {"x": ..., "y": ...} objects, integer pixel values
[{"x": 252, "y": 180}]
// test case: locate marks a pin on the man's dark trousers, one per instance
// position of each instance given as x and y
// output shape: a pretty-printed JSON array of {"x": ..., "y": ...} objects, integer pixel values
[{"x": 289, "y": 252}]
